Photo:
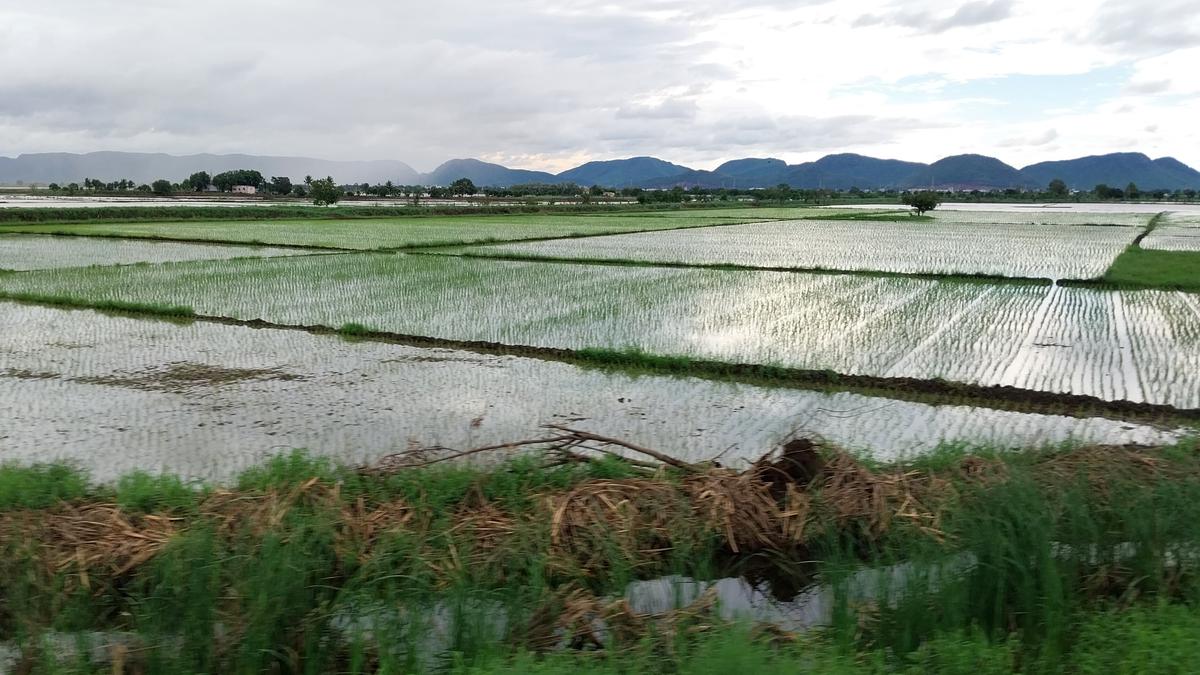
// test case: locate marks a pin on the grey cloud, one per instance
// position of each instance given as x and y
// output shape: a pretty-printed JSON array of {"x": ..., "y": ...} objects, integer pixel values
[
  {"x": 975, "y": 13},
  {"x": 671, "y": 109},
  {"x": 1044, "y": 138},
  {"x": 1157, "y": 26},
  {"x": 1148, "y": 87}
]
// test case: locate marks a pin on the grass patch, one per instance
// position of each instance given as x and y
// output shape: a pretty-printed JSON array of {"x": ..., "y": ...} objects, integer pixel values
[
  {"x": 354, "y": 329},
  {"x": 40, "y": 487},
  {"x": 120, "y": 306},
  {"x": 1147, "y": 268}
]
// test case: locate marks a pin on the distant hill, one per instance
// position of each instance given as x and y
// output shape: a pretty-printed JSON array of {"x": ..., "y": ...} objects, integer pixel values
[
  {"x": 845, "y": 171},
  {"x": 485, "y": 173},
  {"x": 836, "y": 172},
  {"x": 621, "y": 172},
  {"x": 966, "y": 172},
  {"x": 62, "y": 167},
  {"x": 1116, "y": 170},
  {"x": 754, "y": 171}
]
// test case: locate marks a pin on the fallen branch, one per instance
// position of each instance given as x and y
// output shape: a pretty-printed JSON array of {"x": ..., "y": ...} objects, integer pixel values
[{"x": 665, "y": 459}]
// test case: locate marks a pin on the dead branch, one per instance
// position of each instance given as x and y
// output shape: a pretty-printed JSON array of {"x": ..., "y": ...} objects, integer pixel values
[{"x": 665, "y": 459}]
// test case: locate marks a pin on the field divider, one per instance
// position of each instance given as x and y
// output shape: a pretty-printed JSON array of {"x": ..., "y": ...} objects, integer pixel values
[
  {"x": 731, "y": 267},
  {"x": 418, "y": 248},
  {"x": 178, "y": 240},
  {"x": 490, "y": 241},
  {"x": 930, "y": 391}
]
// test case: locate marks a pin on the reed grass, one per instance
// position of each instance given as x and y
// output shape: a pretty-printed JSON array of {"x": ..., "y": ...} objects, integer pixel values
[{"x": 994, "y": 563}]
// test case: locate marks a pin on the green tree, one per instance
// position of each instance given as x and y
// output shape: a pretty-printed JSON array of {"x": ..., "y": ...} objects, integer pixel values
[
  {"x": 324, "y": 191},
  {"x": 199, "y": 181},
  {"x": 1132, "y": 191},
  {"x": 280, "y": 185},
  {"x": 227, "y": 179},
  {"x": 463, "y": 186},
  {"x": 922, "y": 201},
  {"x": 1058, "y": 188},
  {"x": 161, "y": 187}
]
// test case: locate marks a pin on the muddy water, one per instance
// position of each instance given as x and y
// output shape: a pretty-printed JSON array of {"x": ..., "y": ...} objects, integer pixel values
[{"x": 205, "y": 400}]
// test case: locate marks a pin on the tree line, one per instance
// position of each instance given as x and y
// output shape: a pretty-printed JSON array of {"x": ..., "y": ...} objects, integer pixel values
[{"x": 327, "y": 191}]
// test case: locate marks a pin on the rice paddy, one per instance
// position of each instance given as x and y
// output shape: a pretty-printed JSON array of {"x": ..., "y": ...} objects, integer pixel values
[
  {"x": 967, "y": 247},
  {"x": 115, "y": 395},
  {"x": 1141, "y": 346},
  {"x": 34, "y": 252},
  {"x": 1175, "y": 232},
  {"x": 383, "y": 233}
]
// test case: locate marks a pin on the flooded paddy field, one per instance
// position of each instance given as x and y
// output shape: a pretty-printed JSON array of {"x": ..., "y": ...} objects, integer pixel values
[
  {"x": 35, "y": 252},
  {"x": 205, "y": 400},
  {"x": 384, "y": 233},
  {"x": 1175, "y": 232},
  {"x": 1018, "y": 249},
  {"x": 1141, "y": 346}
]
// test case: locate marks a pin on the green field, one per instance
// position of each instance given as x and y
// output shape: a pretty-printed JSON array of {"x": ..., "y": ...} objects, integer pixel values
[
  {"x": 1133, "y": 345},
  {"x": 1155, "y": 268},
  {"x": 383, "y": 233}
]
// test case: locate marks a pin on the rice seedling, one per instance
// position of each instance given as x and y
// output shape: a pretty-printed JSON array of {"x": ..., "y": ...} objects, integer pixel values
[
  {"x": 32, "y": 252},
  {"x": 940, "y": 246},
  {"x": 116, "y": 394},
  {"x": 1047, "y": 338}
]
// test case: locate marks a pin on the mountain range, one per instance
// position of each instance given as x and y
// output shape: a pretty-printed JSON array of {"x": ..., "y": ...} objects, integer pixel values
[{"x": 837, "y": 172}]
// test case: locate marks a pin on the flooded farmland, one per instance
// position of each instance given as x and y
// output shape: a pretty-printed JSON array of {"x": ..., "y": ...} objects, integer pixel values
[
  {"x": 205, "y": 400},
  {"x": 1053, "y": 251},
  {"x": 37, "y": 252},
  {"x": 1135, "y": 345}
]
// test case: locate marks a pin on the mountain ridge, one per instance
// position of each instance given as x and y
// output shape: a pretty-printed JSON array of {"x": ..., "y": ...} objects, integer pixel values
[{"x": 841, "y": 171}]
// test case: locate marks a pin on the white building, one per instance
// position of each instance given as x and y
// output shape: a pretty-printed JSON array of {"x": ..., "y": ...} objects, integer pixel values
[{"x": 244, "y": 189}]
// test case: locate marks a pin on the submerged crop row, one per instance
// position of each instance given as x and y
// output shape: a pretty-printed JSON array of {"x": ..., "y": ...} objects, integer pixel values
[
  {"x": 904, "y": 246},
  {"x": 383, "y": 233},
  {"x": 1132, "y": 345},
  {"x": 204, "y": 400},
  {"x": 33, "y": 252}
]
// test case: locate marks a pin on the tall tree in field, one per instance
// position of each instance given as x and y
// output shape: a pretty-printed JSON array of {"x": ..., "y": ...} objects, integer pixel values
[
  {"x": 922, "y": 201},
  {"x": 226, "y": 180},
  {"x": 199, "y": 181},
  {"x": 1057, "y": 188},
  {"x": 324, "y": 191},
  {"x": 281, "y": 185},
  {"x": 1132, "y": 191},
  {"x": 463, "y": 186},
  {"x": 161, "y": 187}
]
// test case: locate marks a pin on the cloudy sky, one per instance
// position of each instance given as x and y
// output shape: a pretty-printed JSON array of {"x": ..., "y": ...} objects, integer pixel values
[{"x": 550, "y": 85}]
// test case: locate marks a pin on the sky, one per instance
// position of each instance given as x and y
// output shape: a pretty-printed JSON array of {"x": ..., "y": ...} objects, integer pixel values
[{"x": 548, "y": 86}]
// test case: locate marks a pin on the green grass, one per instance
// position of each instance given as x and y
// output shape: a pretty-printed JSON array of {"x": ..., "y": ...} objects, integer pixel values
[
  {"x": 40, "y": 487},
  {"x": 1086, "y": 568},
  {"x": 1146, "y": 268},
  {"x": 105, "y": 305}
]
